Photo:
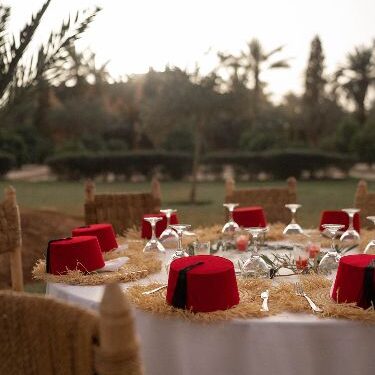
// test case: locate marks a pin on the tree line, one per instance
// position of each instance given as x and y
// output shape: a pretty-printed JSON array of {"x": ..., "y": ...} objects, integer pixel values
[{"x": 63, "y": 101}]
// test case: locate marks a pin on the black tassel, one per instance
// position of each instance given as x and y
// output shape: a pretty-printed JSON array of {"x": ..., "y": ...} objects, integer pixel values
[
  {"x": 368, "y": 285},
  {"x": 180, "y": 291}
]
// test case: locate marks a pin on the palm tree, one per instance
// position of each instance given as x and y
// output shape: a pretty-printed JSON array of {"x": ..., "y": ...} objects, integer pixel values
[
  {"x": 233, "y": 64},
  {"x": 255, "y": 61},
  {"x": 356, "y": 77},
  {"x": 83, "y": 66},
  {"x": 17, "y": 73}
]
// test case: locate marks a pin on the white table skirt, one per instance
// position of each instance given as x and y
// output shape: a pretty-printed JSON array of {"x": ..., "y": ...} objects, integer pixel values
[{"x": 286, "y": 344}]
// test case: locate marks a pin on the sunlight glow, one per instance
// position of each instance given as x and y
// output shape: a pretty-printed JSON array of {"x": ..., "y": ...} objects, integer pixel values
[{"x": 135, "y": 35}]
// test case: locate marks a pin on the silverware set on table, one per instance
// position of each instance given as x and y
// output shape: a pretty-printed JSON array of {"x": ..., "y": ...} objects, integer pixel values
[{"x": 298, "y": 289}]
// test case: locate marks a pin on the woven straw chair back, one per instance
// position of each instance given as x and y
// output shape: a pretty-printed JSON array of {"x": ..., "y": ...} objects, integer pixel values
[
  {"x": 122, "y": 210},
  {"x": 273, "y": 200},
  {"x": 365, "y": 201},
  {"x": 10, "y": 236},
  {"x": 43, "y": 336}
]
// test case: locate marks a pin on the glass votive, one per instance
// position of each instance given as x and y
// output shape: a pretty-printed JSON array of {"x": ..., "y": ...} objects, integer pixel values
[
  {"x": 301, "y": 257},
  {"x": 202, "y": 248},
  {"x": 242, "y": 242},
  {"x": 313, "y": 249}
]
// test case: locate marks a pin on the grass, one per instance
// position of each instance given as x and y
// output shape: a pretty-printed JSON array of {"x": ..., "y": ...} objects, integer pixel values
[{"x": 67, "y": 197}]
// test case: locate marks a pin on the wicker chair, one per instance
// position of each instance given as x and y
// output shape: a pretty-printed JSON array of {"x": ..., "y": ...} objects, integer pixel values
[
  {"x": 365, "y": 201},
  {"x": 273, "y": 200},
  {"x": 122, "y": 210},
  {"x": 43, "y": 336},
  {"x": 10, "y": 236}
]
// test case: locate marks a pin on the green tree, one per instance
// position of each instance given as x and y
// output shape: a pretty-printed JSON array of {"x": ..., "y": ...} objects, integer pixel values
[
  {"x": 177, "y": 97},
  {"x": 356, "y": 77},
  {"x": 314, "y": 95}
]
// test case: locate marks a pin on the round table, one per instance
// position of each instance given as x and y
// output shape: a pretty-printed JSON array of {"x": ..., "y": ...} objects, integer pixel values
[{"x": 284, "y": 344}]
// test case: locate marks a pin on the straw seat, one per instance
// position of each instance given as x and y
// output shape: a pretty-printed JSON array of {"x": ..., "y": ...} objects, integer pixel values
[
  {"x": 271, "y": 199},
  {"x": 122, "y": 210},
  {"x": 43, "y": 336},
  {"x": 10, "y": 236},
  {"x": 365, "y": 201}
]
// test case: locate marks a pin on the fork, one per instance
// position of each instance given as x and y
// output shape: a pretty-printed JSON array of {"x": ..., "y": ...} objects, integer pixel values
[{"x": 300, "y": 292}]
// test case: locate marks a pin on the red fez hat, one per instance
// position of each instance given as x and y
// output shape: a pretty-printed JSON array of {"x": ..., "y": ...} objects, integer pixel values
[
  {"x": 202, "y": 283},
  {"x": 104, "y": 233},
  {"x": 75, "y": 253}
]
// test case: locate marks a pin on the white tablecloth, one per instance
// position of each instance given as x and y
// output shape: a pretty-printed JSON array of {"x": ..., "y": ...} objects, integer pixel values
[{"x": 286, "y": 344}]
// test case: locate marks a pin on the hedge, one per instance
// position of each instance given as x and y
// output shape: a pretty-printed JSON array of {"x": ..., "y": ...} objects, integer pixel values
[
  {"x": 283, "y": 163},
  {"x": 7, "y": 161},
  {"x": 278, "y": 163},
  {"x": 77, "y": 165}
]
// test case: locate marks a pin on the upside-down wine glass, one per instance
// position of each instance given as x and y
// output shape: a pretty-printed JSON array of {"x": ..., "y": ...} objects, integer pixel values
[
  {"x": 153, "y": 244},
  {"x": 231, "y": 226},
  {"x": 180, "y": 251},
  {"x": 330, "y": 261},
  {"x": 254, "y": 266},
  {"x": 350, "y": 234},
  {"x": 169, "y": 237},
  {"x": 370, "y": 248},
  {"x": 293, "y": 227}
]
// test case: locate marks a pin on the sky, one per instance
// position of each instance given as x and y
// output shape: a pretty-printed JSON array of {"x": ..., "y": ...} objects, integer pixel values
[{"x": 137, "y": 34}]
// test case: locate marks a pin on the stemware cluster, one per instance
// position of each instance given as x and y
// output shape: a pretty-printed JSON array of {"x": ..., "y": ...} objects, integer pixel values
[
  {"x": 251, "y": 263},
  {"x": 168, "y": 238}
]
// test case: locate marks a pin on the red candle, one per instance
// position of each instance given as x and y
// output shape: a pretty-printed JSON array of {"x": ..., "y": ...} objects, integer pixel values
[
  {"x": 301, "y": 263},
  {"x": 313, "y": 250},
  {"x": 242, "y": 242}
]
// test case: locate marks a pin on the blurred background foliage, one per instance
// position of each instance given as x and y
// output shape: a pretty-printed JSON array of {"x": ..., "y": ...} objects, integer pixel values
[{"x": 64, "y": 109}]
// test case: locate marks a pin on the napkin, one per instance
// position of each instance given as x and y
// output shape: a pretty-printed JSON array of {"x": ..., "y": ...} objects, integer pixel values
[{"x": 113, "y": 265}]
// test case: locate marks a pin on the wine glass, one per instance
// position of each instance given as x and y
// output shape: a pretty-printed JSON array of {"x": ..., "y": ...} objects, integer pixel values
[
  {"x": 350, "y": 234},
  {"x": 293, "y": 227},
  {"x": 153, "y": 244},
  {"x": 169, "y": 237},
  {"x": 254, "y": 266},
  {"x": 231, "y": 226},
  {"x": 370, "y": 248},
  {"x": 180, "y": 229},
  {"x": 330, "y": 261}
]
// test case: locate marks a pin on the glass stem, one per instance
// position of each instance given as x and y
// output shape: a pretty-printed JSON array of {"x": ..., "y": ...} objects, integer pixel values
[
  {"x": 153, "y": 235},
  {"x": 351, "y": 221},
  {"x": 333, "y": 244},
  {"x": 168, "y": 219},
  {"x": 179, "y": 250},
  {"x": 255, "y": 238},
  {"x": 231, "y": 214}
]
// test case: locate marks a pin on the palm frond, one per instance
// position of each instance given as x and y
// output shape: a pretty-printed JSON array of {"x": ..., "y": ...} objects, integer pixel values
[
  {"x": 15, "y": 50},
  {"x": 4, "y": 18},
  {"x": 279, "y": 64},
  {"x": 46, "y": 64},
  {"x": 272, "y": 52}
]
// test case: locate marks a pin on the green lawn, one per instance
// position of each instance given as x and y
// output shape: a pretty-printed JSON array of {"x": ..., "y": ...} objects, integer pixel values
[{"x": 67, "y": 197}]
